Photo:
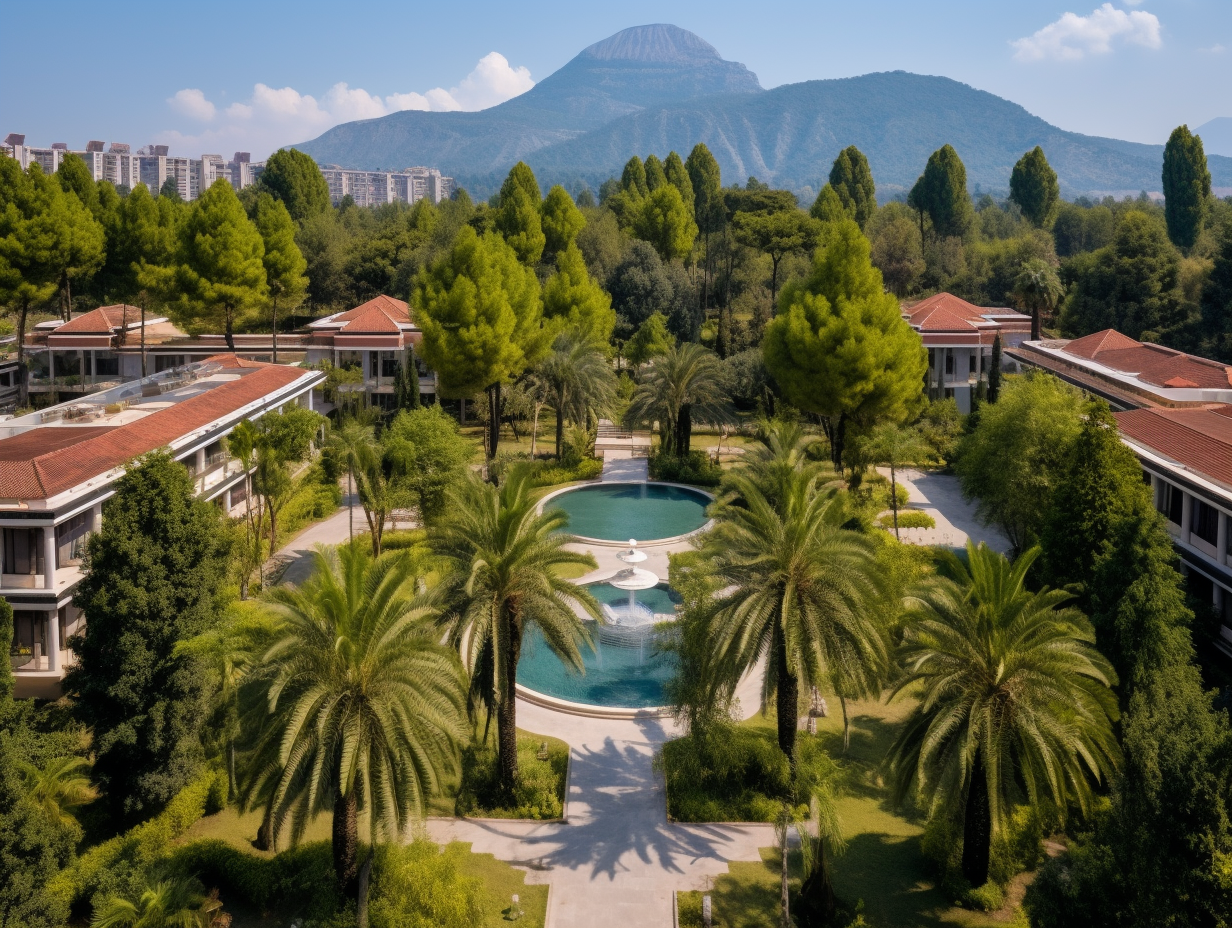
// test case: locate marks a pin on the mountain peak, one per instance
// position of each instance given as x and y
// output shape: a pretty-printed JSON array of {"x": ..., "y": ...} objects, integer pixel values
[{"x": 657, "y": 42}]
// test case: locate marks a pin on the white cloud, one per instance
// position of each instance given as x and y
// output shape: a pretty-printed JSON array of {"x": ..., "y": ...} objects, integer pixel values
[
  {"x": 273, "y": 117},
  {"x": 1073, "y": 37},
  {"x": 192, "y": 103},
  {"x": 1215, "y": 49}
]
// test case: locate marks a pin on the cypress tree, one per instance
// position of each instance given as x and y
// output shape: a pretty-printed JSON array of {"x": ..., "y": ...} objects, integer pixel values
[
  {"x": 941, "y": 194},
  {"x": 678, "y": 177},
  {"x": 633, "y": 178},
  {"x": 153, "y": 577},
  {"x": 521, "y": 176},
  {"x": 406, "y": 385},
  {"x": 655, "y": 177},
  {"x": 852, "y": 180},
  {"x": 1187, "y": 186},
  {"x": 1034, "y": 187},
  {"x": 994, "y": 370},
  {"x": 828, "y": 207}
]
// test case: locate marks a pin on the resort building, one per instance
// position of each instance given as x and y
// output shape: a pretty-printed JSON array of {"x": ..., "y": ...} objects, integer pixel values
[
  {"x": 1175, "y": 411},
  {"x": 107, "y": 346},
  {"x": 371, "y": 340},
  {"x": 959, "y": 337},
  {"x": 58, "y": 467}
]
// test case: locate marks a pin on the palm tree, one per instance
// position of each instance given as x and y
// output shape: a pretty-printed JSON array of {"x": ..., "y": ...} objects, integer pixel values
[
  {"x": 502, "y": 560},
  {"x": 1014, "y": 699},
  {"x": 364, "y": 706},
  {"x": 801, "y": 592},
  {"x": 782, "y": 451},
  {"x": 177, "y": 902},
  {"x": 576, "y": 380},
  {"x": 354, "y": 443},
  {"x": 687, "y": 383},
  {"x": 59, "y": 787},
  {"x": 1038, "y": 289},
  {"x": 242, "y": 444},
  {"x": 894, "y": 446}
]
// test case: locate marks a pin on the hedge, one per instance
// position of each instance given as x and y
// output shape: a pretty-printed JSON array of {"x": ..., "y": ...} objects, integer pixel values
[
  {"x": 104, "y": 867},
  {"x": 909, "y": 518}
]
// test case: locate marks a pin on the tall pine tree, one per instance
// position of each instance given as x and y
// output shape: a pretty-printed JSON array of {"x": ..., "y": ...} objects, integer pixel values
[
  {"x": 852, "y": 180},
  {"x": 1034, "y": 187},
  {"x": 941, "y": 194}
]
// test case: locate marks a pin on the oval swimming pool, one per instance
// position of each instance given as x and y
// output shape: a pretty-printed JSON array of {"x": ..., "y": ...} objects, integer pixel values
[
  {"x": 620, "y": 511},
  {"x": 628, "y": 666}
]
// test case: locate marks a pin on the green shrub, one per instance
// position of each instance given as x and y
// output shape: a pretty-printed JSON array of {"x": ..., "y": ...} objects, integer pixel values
[
  {"x": 403, "y": 539},
  {"x": 695, "y": 469},
  {"x": 908, "y": 518},
  {"x": 115, "y": 867},
  {"x": 689, "y": 911},
  {"x": 219, "y": 794},
  {"x": 297, "y": 882},
  {"x": 546, "y": 473},
  {"x": 986, "y": 898},
  {"x": 732, "y": 774},
  {"x": 541, "y": 787},
  {"x": 418, "y": 886}
]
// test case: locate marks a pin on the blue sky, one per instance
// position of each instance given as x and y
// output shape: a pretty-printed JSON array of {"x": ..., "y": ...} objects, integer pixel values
[{"x": 225, "y": 76}]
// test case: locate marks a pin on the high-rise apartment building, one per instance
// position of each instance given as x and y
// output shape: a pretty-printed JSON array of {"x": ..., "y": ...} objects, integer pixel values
[{"x": 371, "y": 188}]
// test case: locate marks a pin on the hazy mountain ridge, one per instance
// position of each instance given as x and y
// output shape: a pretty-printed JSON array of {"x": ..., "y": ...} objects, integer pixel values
[{"x": 658, "y": 88}]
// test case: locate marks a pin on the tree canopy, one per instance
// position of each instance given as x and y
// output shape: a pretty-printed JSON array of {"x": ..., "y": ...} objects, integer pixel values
[
  {"x": 941, "y": 194},
  {"x": 294, "y": 178},
  {"x": 1187, "y": 186},
  {"x": 1034, "y": 187},
  {"x": 852, "y": 179}
]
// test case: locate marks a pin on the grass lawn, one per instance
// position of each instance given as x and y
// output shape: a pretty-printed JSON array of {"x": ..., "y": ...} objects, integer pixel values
[
  {"x": 883, "y": 864},
  {"x": 747, "y": 896},
  {"x": 500, "y": 880}
]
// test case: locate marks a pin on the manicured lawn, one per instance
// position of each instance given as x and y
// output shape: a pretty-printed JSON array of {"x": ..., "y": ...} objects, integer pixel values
[
  {"x": 745, "y": 897},
  {"x": 502, "y": 881},
  {"x": 883, "y": 865}
]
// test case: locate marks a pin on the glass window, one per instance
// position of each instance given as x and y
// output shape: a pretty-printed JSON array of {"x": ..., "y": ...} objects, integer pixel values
[
  {"x": 1205, "y": 522},
  {"x": 71, "y": 539},
  {"x": 23, "y": 550}
]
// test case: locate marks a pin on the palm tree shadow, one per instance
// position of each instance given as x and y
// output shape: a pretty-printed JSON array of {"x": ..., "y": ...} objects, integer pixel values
[{"x": 890, "y": 875}]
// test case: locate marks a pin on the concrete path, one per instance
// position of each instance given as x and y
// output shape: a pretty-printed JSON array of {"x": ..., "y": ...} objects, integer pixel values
[
  {"x": 294, "y": 562},
  {"x": 622, "y": 466},
  {"x": 940, "y": 495},
  {"x": 617, "y": 861}
]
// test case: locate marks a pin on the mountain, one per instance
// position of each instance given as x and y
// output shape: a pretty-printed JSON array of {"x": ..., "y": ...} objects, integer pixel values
[
  {"x": 1216, "y": 135},
  {"x": 658, "y": 88},
  {"x": 646, "y": 66}
]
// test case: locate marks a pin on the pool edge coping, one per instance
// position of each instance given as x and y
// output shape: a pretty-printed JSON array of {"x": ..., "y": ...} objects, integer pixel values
[
  {"x": 586, "y": 710},
  {"x": 606, "y": 543}
]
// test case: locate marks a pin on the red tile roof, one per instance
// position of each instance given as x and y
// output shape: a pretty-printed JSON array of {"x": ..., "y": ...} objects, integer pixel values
[
  {"x": 48, "y": 460},
  {"x": 1201, "y": 439},
  {"x": 380, "y": 315},
  {"x": 1090, "y": 345},
  {"x": 1154, "y": 364},
  {"x": 100, "y": 321}
]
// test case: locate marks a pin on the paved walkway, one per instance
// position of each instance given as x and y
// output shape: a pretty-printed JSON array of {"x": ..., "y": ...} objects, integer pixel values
[
  {"x": 940, "y": 495},
  {"x": 617, "y": 861},
  {"x": 623, "y": 466},
  {"x": 295, "y": 560}
]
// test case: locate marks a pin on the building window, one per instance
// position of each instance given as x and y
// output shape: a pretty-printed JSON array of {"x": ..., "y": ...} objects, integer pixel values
[
  {"x": 949, "y": 362},
  {"x": 71, "y": 539},
  {"x": 28, "y": 633},
  {"x": 23, "y": 550},
  {"x": 106, "y": 366},
  {"x": 1205, "y": 522},
  {"x": 1172, "y": 503},
  {"x": 971, "y": 366},
  {"x": 389, "y": 367}
]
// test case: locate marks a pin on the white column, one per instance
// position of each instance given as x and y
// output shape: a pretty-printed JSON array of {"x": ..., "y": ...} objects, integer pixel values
[
  {"x": 53, "y": 640},
  {"x": 49, "y": 557},
  {"x": 1186, "y": 516},
  {"x": 1221, "y": 538},
  {"x": 96, "y": 517},
  {"x": 1157, "y": 486},
  {"x": 310, "y": 392},
  {"x": 226, "y": 500},
  {"x": 200, "y": 461}
]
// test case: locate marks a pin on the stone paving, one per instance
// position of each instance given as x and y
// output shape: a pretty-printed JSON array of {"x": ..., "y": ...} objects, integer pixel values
[
  {"x": 617, "y": 860},
  {"x": 940, "y": 495}
]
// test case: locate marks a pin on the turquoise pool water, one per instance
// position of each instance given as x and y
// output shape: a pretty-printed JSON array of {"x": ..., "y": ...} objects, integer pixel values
[
  {"x": 627, "y": 668},
  {"x": 620, "y": 511}
]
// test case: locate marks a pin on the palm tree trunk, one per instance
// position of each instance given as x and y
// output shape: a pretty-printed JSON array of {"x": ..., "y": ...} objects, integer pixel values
[
  {"x": 817, "y": 903},
  {"x": 229, "y": 332},
  {"x": 560, "y": 431},
  {"x": 231, "y": 784},
  {"x": 265, "y": 833},
  {"x": 365, "y": 876},
  {"x": 1035, "y": 321},
  {"x": 894, "y": 500},
  {"x": 534, "y": 434},
  {"x": 351, "y": 503},
  {"x": 507, "y": 716},
  {"x": 842, "y": 701},
  {"x": 346, "y": 841},
  {"x": 977, "y": 828},
  {"x": 787, "y": 703},
  {"x": 784, "y": 894}
]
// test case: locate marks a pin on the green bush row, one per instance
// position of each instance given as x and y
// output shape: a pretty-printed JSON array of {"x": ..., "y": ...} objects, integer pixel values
[
  {"x": 909, "y": 518},
  {"x": 733, "y": 774},
  {"x": 695, "y": 469},
  {"x": 116, "y": 865}
]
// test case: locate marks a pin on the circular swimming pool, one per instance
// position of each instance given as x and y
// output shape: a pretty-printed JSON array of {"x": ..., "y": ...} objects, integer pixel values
[
  {"x": 620, "y": 511},
  {"x": 628, "y": 666}
]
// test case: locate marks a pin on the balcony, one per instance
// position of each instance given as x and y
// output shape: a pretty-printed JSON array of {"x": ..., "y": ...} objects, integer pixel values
[{"x": 64, "y": 578}]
